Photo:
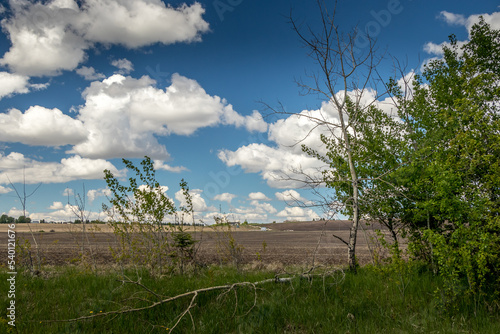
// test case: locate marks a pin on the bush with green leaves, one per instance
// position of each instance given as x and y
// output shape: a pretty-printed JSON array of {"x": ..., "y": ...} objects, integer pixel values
[
  {"x": 148, "y": 226},
  {"x": 451, "y": 170},
  {"x": 469, "y": 261}
]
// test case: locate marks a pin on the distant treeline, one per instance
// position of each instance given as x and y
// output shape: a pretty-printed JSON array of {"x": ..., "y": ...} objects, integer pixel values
[
  {"x": 11, "y": 220},
  {"x": 5, "y": 219}
]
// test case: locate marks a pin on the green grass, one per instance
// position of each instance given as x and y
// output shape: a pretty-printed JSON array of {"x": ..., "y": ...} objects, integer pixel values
[{"x": 367, "y": 302}]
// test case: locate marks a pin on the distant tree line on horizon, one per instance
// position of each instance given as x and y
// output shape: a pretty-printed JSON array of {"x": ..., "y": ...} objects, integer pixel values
[{"x": 5, "y": 219}]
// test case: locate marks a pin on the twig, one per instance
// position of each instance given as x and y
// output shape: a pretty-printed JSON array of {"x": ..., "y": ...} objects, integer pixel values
[
  {"x": 187, "y": 310},
  {"x": 143, "y": 286},
  {"x": 339, "y": 238}
]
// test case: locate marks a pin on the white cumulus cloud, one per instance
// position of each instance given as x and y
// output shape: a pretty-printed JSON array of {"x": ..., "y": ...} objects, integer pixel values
[
  {"x": 160, "y": 165},
  {"x": 253, "y": 122},
  {"x": 124, "y": 65},
  {"x": 4, "y": 190},
  {"x": 263, "y": 207},
  {"x": 272, "y": 163},
  {"x": 15, "y": 212},
  {"x": 13, "y": 84},
  {"x": 492, "y": 19},
  {"x": 277, "y": 162},
  {"x": 17, "y": 168},
  {"x": 297, "y": 213},
  {"x": 89, "y": 73},
  {"x": 68, "y": 192},
  {"x": 43, "y": 42},
  {"x": 136, "y": 23},
  {"x": 41, "y": 126},
  {"x": 251, "y": 214},
  {"x": 63, "y": 213},
  {"x": 291, "y": 196},
  {"x": 258, "y": 196},
  {"x": 51, "y": 36},
  {"x": 123, "y": 115},
  {"x": 92, "y": 194},
  {"x": 452, "y": 18},
  {"x": 437, "y": 49},
  {"x": 225, "y": 197},
  {"x": 284, "y": 164},
  {"x": 199, "y": 204},
  {"x": 56, "y": 206}
]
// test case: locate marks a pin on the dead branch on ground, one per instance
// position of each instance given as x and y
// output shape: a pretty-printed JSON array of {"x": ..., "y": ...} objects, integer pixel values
[{"x": 226, "y": 289}]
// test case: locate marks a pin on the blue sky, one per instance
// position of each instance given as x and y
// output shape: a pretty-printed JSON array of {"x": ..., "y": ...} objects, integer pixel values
[{"x": 83, "y": 84}]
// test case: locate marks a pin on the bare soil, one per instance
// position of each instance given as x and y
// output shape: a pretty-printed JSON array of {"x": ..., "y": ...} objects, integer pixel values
[{"x": 285, "y": 243}]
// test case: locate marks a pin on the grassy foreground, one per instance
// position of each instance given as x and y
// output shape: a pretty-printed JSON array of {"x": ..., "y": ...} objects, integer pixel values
[{"x": 371, "y": 301}]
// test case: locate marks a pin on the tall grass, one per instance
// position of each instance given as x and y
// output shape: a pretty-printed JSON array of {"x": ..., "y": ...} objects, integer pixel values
[{"x": 367, "y": 302}]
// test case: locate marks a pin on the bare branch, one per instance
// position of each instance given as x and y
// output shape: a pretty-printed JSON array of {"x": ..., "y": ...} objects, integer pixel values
[{"x": 339, "y": 238}]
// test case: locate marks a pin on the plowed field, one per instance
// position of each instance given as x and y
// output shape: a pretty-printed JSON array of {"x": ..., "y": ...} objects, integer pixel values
[{"x": 285, "y": 243}]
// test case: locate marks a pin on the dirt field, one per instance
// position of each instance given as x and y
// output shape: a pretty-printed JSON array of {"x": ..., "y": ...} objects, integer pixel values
[{"x": 286, "y": 243}]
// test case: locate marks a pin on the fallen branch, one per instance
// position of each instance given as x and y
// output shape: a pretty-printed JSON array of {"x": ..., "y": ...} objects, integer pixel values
[{"x": 194, "y": 294}]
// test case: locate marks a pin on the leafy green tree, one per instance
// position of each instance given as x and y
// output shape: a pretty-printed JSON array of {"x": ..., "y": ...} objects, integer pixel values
[
  {"x": 23, "y": 220},
  {"x": 377, "y": 147},
  {"x": 452, "y": 169},
  {"x": 453, "y": 165},
  {"x": 5, "y": 219}
]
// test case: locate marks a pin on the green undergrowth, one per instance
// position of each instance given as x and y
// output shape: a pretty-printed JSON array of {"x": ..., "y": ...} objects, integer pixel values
[{"x": 370, "y": 301}]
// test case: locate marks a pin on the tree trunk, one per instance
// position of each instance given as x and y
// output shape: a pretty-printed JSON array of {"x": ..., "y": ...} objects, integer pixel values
[{"x": 351, "y": 246}]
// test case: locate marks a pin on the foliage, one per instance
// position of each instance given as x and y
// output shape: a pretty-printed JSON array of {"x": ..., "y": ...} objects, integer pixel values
[
  {"x": 4, "y": 219},
  {"x": 140, "y": 215},
  {"x": 23, "y": 220},
  {"x": 452, "y": 166},
  {"x": 139, "y": 203},
  {"x": 469, "y": 261},
  {"x": 376, "y": 147},
  {"x": 183, "y": 244},
  {"x": 397, "y": 266}
]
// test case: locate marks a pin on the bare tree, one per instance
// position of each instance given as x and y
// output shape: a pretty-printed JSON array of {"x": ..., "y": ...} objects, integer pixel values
[
  {"x": 351, "y": 122},
  {"x": 79, "y": 210},
  {"x": 23, "y": 198}
]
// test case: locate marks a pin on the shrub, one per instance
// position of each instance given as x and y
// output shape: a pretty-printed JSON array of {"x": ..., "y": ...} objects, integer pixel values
[{"x": 139, "y": 214}]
